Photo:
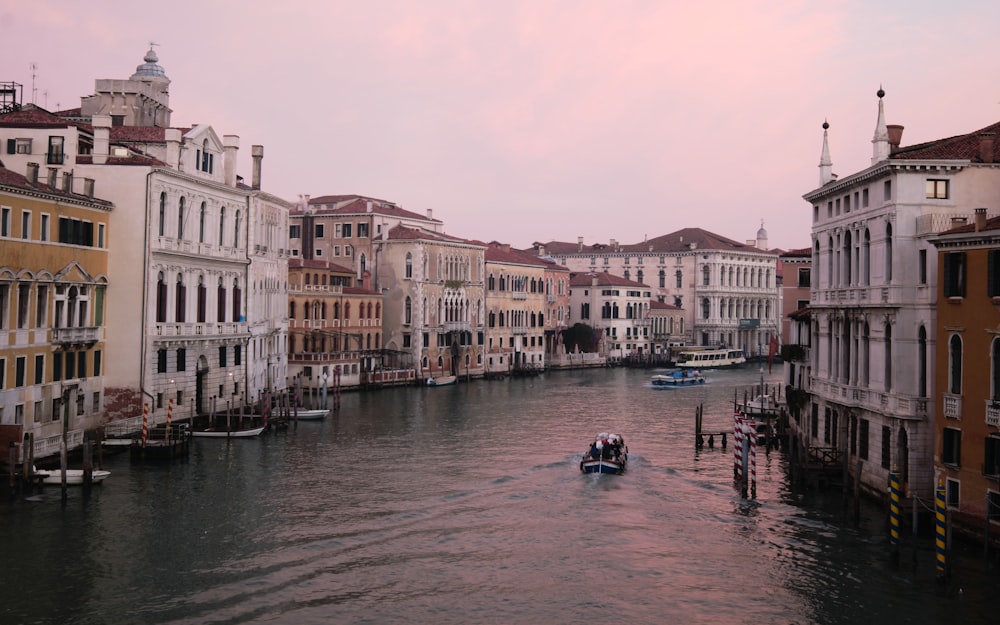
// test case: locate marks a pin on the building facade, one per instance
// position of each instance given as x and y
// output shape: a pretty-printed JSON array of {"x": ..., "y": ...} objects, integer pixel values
[
  {"x": 515, "y": 310},
  {"x": 873, "y": 297},
  {"x": 54, "y": 287},
  {"x": 967, "y": 372},
  {"x": 618, "y": 310}
]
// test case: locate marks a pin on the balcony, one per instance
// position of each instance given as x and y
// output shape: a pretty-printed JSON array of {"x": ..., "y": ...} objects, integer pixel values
[
  {"x": 993, "y": 413},
  {"x": 952, "y": 406},
  {"x": 89, "y": 334}
]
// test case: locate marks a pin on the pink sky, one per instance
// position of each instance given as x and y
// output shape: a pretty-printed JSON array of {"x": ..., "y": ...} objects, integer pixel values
[{"x": 539, "y": 120}]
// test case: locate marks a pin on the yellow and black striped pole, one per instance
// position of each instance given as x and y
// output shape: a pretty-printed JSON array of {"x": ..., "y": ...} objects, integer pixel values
[
  {"x": 940, "y": 542},
  {"x": 894, "y": 478}
]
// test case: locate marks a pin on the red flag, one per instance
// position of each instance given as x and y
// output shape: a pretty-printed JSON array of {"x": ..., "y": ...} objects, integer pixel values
[{"x": 771, "y": 352}]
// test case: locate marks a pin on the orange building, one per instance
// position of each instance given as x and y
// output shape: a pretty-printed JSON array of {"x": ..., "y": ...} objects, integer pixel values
[{"x": 967, "y": 366}]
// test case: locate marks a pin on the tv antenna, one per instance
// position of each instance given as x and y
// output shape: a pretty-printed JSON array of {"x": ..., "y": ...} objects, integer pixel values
[{"x": 34, "y": 92}]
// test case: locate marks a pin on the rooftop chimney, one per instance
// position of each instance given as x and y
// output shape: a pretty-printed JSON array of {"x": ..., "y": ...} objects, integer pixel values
[
  {"x": 579, "y": 244},
  {"x": 102, "y": 138},
  {"x": 68, "y": 181},
  {"x": 230, "y": 145},
  {"x": 257, "y": 152},
  {"x": 986, "y": 147},
  {"x": 895, "y": 136},
  {"x": 173, "y": 138},
  {"x": 88, "y": 188},
  {"x": 53, "y": 176},
  {"x": 33, "y": 174},
  {"x": 980, "y": 219},
  {"x": 430, "y": 213}
]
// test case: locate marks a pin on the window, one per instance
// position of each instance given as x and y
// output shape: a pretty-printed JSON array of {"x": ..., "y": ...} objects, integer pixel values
[
  {"x": 43, "y": 234},
  {"x": 5, "y": 222},
  {"x": 954, "y": 274},
  {"x": 20, "y": 146},
  {"x": 180, "y": 219},
  {"x": 39, "y": 369},
  {"x": 180, "y": 295},
  {"x": 319, "y": 231},
  {"x": 161, "y": 299},
  {"x": 408, "y": 311},
  {"x": 805, "y": 277},
  {"x": 863, "y": 439},
  {"x": 409, "y": 267},
  {"x": 163, "y": 214},
  {"x": 937, "y": 189},
  {"x": 25, "y": 224},
  {"x": 407, "y": 341},
  {"x": 202, "y": 215},
  {"x": 161, "y": 361},
  {"x": 100, "y": 235},
  {"x": 705, "y": 273},
  {"x": 236, "y": 231},
  {"x": 55, "y": 154},
  {"x": 706, "y": 308},
  {"x": 951, "y": 447},
  {"x": 347, "y": 231},
  {"x": 222, "y": 225},
  {"x": 237, "y": 301},
  {"x": 955, "y": 365},
  {"x": 97, "y": 366},
  {"x": 887, "y": 191},
  {"x": 222, "y": 356},
  {"x": 19, "y": 366},
  {"x": 991, "y": 464},
  {"x": 220, "y": 301},
  {"x": 76, "y": 232},
  {"x": 295, "y": 232},
  {"x": 922, "y": 266},
  {"x": 993, "y": 273},
  {"x": 237, "y": 355}
]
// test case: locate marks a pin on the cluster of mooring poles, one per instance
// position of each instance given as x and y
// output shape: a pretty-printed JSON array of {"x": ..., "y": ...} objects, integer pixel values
[
  {"x": 700, "y": 435},
  {"x": 745, "y": 454}
]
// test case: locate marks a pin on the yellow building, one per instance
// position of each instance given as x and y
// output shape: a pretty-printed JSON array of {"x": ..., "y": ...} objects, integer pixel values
[
  {"x": 515, "y": 310},
  {"x": 335, "y": 328},
  {"x": 53, "y": 285}
]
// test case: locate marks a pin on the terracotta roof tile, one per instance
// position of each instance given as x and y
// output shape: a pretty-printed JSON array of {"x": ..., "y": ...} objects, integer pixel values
[
  {"x": 679, "y": 241},
  {"x": 603, "y": 279},
  {"x": 13, "y": 179},
  {"x": 959, "y": 147}
]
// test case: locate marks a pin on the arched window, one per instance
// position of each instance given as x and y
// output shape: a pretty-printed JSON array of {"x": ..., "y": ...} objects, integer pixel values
[
  {"x": 866, "y": 258},
  {"x": 161, "y": 299},
  {"x": 705, "y": 277},
  {"x": 922, "y": 362},
  {"x": 364, "y": 266},
  {"x": 888, "y": 253},
  {"x": 706, "y": 308},
  {"x": 220, "y": 304},
  {"x": 236, "y": 231},
  {"x": 408, "y": 311},
  {"x": 222, "y": 224},
  {"x": 237, "y": 301},
  {"x": 202, "y": 299},
  {"x": 955, "y": 365},
  {"x": 409, "y": 265},
  {"x": 163, "y": 214},
  {"x": 347, "y": 312},
  {"x": 663, "y": 279},
  {"x": 638, "y": 276},
  {"x": 291, "y": 309},
  {"x": 180, "y": 294},
  {"x": 679, "y": 278},
  {"x": 888, "y": 357},
  {"x": 180, "y": 219},
  {"x": 201, "y": 223},
  {"x": 815, "y": 261}
]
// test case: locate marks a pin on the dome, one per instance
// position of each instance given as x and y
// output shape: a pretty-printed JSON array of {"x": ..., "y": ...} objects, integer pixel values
[
  {"x": 149, "y": 70},
  {"x": 762, "y": 234}
]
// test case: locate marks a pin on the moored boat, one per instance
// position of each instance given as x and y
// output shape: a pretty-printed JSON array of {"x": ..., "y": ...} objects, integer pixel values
[
  {"x": 223, "y": 433},
  {"x": 74, "y": 477},
  {"x": 607, "y": 454},
  {"x": 678, "y": 378},
  {"x": 310, "y": 415},
  {"x": 442, "y": 380}
]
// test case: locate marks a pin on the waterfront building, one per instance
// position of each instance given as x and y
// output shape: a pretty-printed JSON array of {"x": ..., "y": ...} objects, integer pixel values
[
  {"x": 617, "y": 309},
  {"x": 181, "y": 273},
  {"x": 794, "y": 279},
  {"x": 967, "y": 372},
  {"x": 873, "y": 320},
  {"x": 666, "y": 329},
  {"x": 432, "y": 286},
  {"x": 515, "y": 310},
  {"x": 335, "y": 327},
  {"x": 728, "y": 290},
  {"x": 268, "y": 284},
  {"x": 345, "y": 229},
  {"x": 556, "y": 311},
  {"x": 53, "y": 309}
]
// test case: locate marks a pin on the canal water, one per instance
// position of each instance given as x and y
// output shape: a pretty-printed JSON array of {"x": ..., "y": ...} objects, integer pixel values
[{"x": 465, "y": 504}]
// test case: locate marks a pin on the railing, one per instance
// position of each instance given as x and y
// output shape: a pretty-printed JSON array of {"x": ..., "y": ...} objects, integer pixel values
[
  {"x": 199, "y": 329},
  {"x": 88, "y": 334},
  {"x": 124, "y": 427},
  {"x": 519, "y": 295},
  {"x": 992, "y": 413},
  {"x": 952, "y": 406},
  {"x": 50, "y": 445}
]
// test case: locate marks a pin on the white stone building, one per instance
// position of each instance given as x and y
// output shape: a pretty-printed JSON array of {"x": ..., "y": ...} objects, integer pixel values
[
  {"x": 617, "y": 308},
  {"x": 873, "y": 296}
]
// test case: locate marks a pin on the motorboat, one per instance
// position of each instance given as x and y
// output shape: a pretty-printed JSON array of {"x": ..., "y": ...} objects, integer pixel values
[
  {"x": 442, "y": 380},
  {"x": 223, "y": 433},
  {"x": 681, "y": 377},
  {"x": 607, "y": 454},
  {"x": 74, "y": 477}
]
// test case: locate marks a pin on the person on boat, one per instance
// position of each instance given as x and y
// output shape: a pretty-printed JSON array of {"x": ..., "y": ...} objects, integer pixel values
[{"x": 595, "y": 452}]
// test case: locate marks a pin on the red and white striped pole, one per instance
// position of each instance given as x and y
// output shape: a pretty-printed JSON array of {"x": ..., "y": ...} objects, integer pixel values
[
  {"x": 170, "y": 416},
  {"x": 737, "y": 446}
]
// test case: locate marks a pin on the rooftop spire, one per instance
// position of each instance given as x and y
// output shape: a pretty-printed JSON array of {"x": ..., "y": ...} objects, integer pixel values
[
  {"x": 880, "y": 142},
  {"x": 825, "y": 164}
]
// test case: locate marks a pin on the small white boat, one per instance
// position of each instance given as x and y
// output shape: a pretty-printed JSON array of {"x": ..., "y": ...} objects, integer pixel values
[
  {"x": 443, "y": 380},
  {"x": 711, "y": 359},
  {"x": 74, "y": 477},
  {"x": 217, "y": 433},
  {"x": 678, "y": 378},
  {"x": 310, "y": 415}
]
